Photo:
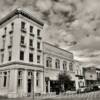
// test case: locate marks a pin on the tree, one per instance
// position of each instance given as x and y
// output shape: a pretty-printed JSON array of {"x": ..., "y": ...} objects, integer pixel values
[{"x": 64, "y": 81}]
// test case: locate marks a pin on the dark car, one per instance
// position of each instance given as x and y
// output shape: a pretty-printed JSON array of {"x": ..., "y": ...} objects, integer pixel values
[{"x": 95, "y": 88}]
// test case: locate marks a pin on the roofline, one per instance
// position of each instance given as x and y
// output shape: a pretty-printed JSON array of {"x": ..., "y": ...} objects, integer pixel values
[
  {"x": 19, "y": 11},
  {"x": 58, "y": 47}
]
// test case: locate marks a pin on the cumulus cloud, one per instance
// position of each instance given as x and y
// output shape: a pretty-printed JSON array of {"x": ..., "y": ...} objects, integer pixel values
[{"x": 72, "y": 24}]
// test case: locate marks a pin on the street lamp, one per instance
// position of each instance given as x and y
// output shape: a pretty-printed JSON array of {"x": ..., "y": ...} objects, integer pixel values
[{"x": 33, "y": 95}]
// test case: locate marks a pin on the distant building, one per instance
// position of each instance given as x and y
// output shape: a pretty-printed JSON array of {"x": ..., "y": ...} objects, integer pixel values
[
  {"x": 79, "y": 76},
  {"x": 26, "y": 62},
  {"x": 90, "y": 76},
  {"x": 98, "y": 75}
]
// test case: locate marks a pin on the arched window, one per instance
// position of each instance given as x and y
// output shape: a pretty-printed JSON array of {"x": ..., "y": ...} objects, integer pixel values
[
  {"x": 57, "y": 63},
  {"x": 64, "y": 65},
  {"x": 71, "y": 66},
  {"x": 48, "y": 62}
]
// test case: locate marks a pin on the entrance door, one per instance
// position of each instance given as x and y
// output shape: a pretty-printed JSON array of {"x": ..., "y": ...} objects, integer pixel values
[{"x": 29, "y": 88}]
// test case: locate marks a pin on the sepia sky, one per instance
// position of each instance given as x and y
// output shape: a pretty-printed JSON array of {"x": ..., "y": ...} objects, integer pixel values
[{"x": 72, "y": 24}]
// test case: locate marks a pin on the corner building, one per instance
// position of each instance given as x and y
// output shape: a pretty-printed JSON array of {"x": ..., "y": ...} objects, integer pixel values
[
  {"x": 21, "y": 54},
  {"x": 26, "y": 62}
]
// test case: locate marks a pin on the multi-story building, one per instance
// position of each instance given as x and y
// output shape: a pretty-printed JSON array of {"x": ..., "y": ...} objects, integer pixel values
[
  {"x": 79, "y": 76},
  {"x": 21, "y": 54},
  {"x": 27, "y": 63},
  {"x": 56, "y": 61}
]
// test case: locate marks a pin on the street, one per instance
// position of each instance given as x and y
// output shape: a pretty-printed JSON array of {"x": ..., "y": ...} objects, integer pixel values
[{"x": 84, "y": 96}]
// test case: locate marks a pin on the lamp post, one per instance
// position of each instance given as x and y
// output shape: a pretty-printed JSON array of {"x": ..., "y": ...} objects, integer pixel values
[{"x": 33, "y": 96}]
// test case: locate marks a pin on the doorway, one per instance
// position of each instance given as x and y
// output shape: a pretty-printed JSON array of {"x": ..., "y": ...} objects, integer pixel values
[{"x": 29, "y": 86}]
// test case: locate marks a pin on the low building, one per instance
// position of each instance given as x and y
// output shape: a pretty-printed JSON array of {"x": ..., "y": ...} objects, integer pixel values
[
  {"x": 98, "y": 75},
  {"x": 79, "y": 76},
  {"x": 56, "y": 60},
  {"x": 90, "y": 76}
]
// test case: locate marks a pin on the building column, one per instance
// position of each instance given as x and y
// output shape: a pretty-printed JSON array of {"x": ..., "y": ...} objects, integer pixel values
[
  {"x": 25, "y": 83},
  {"x": 12, "y": 90},
  {"x": 34, "y": 73},
  {"x": 41, "y": 81},
  {"x": 49, "y": 86}
]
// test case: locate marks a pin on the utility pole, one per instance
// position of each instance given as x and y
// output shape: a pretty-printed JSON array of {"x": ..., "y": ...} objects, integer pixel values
[{"x": 33, "y": 95}]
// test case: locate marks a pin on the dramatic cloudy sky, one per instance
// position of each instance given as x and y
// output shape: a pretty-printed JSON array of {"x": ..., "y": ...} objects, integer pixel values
[{"x": 72, "y": 24}]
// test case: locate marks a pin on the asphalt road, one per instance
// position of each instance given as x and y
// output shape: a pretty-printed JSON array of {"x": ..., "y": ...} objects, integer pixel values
[{"x": 85, "y": 96}]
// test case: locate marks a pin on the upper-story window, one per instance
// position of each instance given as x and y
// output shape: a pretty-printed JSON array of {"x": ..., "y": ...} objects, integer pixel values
[
  {"x": 48, "y": 62},
  {"x": 5, "y": 29},
  {"x": 11, "y": 40},
  {"x": 21, "y": 55},
  {"x": 31, "y": 29},
  {"x": 31, "y": 42},
  {"x": 64, "y": 65},
  {"x": 57, "y": 63},
  {"x": 12, "y": 26},
  {"x": 38, "y": 45},
  {"x": 3, "y": 43},
  {"x": 22, "y": 25},
  {"x": 38, "y": 58},
  {"x": 38, "y": 32},
  {"x": 2, "y": 57},
  {"x": 22, "y": 39},
  {"x": 30, "y": 57},
  {"x": 9, "y": 55},
  {"x": 71, "y": 66}
]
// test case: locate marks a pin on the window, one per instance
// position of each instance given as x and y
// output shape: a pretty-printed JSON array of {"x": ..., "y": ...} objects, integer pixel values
[
  {"x": 11, "y": 40},
  {"x": 31, "y": 42},
  {"x": 31, "y": 57},
  {"x": 37, "y": 79},
  {"x": 38, "y": 45},
  {"x": 9, "y": 56},
  {"x": 22, "y": 25},
  {"x": 5, "y": 29},
  {"x": 19, "y": 78},
  {"x": 38, "y": 58},
  {"x": 31, "y": 29},
  {"x": 2, "y": 58},
  {"x": 5, "y": 79},
  {"x": 71, "y": 66},
  {"x": 57, "y": 63},
  {"x": 21, "y": 55},
  {"x": 38, "y": 32},
  {"x": 48, "y": 62},
  {"x": 64, "y": 65},
  {"x": 3, "y": 43},
  {"x": 22, "y": 39},
  {"x": 12, "y": 26}
]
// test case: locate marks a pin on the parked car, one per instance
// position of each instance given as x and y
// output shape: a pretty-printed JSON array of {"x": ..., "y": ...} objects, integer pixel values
[{"x": 96, "y": 88}]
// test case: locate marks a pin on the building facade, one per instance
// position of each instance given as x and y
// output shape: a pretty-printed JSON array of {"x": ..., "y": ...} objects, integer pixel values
[
  {"x": 79, "y": 76},
  {"x": 27, "y": 63},
  {"x": 90, "y": 76}
]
